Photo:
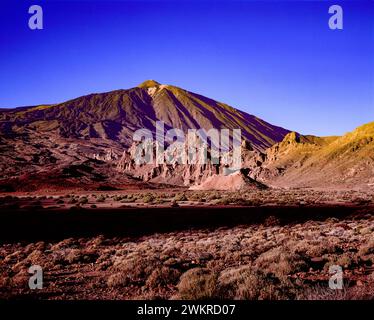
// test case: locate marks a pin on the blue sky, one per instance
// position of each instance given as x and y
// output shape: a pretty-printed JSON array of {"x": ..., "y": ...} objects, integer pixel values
[{"x": 274, "y": 59}]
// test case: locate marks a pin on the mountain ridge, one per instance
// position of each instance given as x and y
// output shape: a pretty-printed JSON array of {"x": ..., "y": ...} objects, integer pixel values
[
  {"x": 117, "y": 114},
  {"x": 346, "y": 160}
]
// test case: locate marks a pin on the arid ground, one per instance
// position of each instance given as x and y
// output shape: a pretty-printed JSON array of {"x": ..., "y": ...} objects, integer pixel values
[{"x": 179, "y": 244}]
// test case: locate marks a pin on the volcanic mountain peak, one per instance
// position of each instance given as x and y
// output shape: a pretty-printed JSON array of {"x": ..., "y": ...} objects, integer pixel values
[
  {"x": 149, "y": 84},
  {"x": 117, "y": 114}
]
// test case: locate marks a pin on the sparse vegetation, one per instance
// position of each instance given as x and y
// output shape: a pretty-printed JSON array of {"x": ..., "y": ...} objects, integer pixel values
[
  {"x": 181, "y": 197},
  {"x": 266, "y": 261},
  {"x": 271, "y": 259},
  {"x": 83, "y": 200},
  {"x": 148, "y": 198}
]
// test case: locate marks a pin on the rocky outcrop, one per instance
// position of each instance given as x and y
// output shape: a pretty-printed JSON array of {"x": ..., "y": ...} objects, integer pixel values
[
  {"x": 191, "y": 175},
  {"x": 238, "y": 180},
  {"x": 322, "y": 162},
  {"x": 109, "y": 155},
  {"x": 297, "y": 161}
]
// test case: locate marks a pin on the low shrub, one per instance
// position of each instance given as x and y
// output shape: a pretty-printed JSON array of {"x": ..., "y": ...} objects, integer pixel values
[{"x": 197, "y": 284}]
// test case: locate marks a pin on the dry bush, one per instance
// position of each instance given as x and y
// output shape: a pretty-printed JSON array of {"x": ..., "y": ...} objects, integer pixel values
[
  {"x": 247, "y": 283},
  {"x": 20, "y": 280},
  {"x": 73, "y": 256},
  {"x": 224, "y": 201},
  {"x": 148, "y": 198},
  {"x": 170, "y": 252},
  {"x": 345, "y": 260},
  {"x": 104, "y": 261},
  {"x": 366, "y": 249},
  {"x": 64, "y": 244},
  {"x": 72, "y": 201},
  {"x": 18, "y": 267},
  {"x": 14, "y": 257},
  {"x": 41, "y": 245},
  {"x": 83, "y": 200},
  {"x": 318, "y": 292},
  {"x": 117, "y": 280},
  {"x": 35, "y": 257},
  {"x": 5, "y": 282},
  {"x": 97, "y": 241},
  {"x": 162, "y": 277},
  {"x": 197, "y": 284},
  {"x": 81, "y": 256},
  {"x": 117, "y": 198},
  {"x": 195, "y": 196},
  {"x": 181, "y": 197},
  {"x": 281, "y": 261},
  {"x": 132, "y": 270},
  {"x": 213, "y": 196},
  {"x": 318, "y": 250}
]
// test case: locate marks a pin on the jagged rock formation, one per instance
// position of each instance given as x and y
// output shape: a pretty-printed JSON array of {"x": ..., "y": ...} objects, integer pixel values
[
  {"x": 109, "y": 155},
  {"x": 297, "y": 161},
  {"x": 195, "y": 174},
  {"x": 170, "y": 172}
]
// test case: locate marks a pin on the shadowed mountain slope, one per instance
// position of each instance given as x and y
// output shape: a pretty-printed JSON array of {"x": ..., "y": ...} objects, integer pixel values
[{"x": 117, "y": 114}]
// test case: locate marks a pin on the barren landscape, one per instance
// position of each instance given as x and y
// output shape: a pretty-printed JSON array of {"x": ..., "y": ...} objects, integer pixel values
[
  {"x": 177, "y": 154},
  {"x": 188, "y": 245},
  {"x": 75, "y": 202}
]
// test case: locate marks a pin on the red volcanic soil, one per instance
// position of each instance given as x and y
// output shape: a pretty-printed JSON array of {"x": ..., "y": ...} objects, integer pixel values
[{"x": 47, "y": 182}]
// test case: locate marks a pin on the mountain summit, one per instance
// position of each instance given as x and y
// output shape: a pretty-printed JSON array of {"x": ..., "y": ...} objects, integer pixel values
[{"x": 149, "y": 84}]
